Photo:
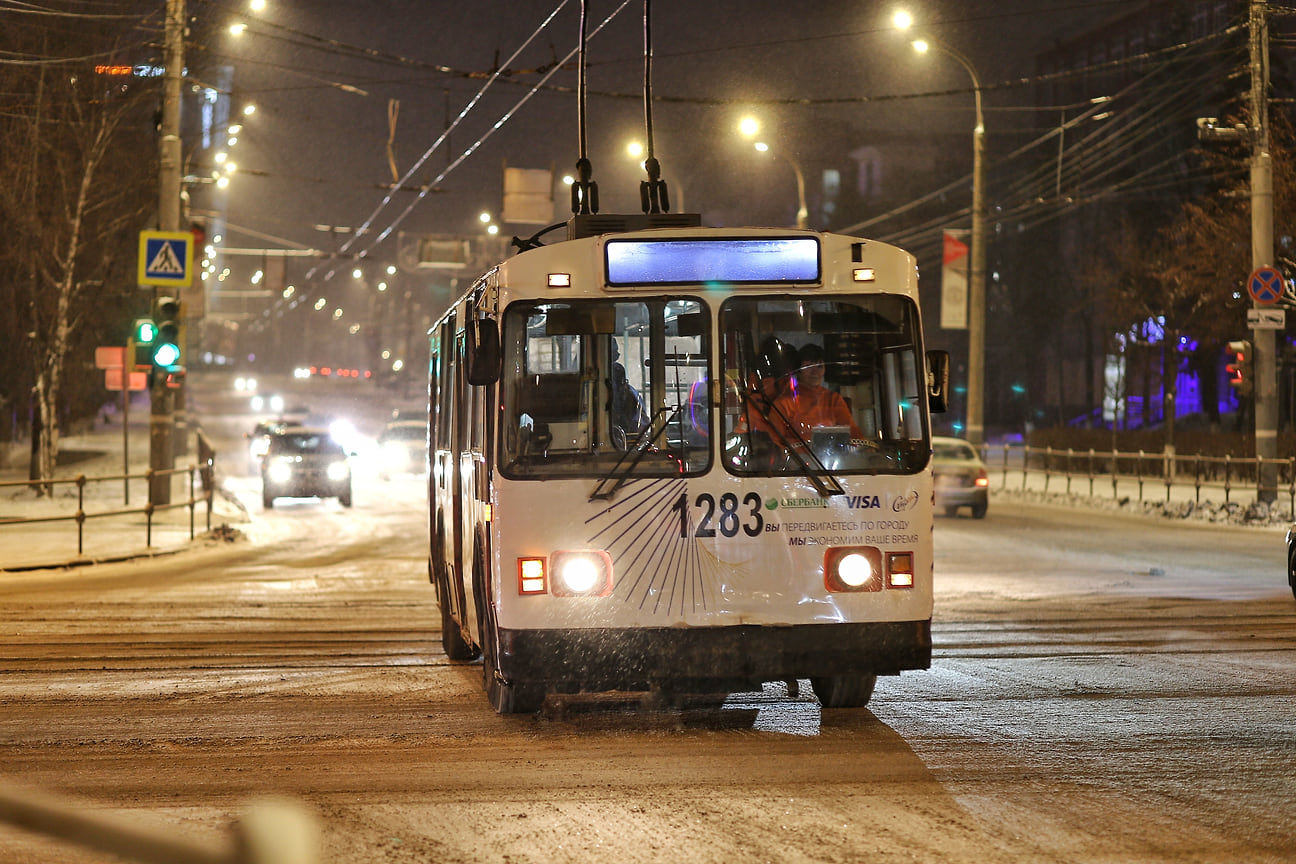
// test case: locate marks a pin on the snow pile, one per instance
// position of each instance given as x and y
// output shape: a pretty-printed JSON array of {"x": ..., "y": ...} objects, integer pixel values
[{"x": 1254, "y": 513}]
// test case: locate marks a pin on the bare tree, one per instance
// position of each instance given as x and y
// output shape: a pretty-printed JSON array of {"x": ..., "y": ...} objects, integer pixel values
[{"x": 72, "y": 199}]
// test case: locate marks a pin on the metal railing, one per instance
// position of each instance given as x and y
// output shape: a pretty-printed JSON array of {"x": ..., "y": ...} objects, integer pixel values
[
  {"x": 1230, "y": 475},
  {"x": 204, "y": 474}
]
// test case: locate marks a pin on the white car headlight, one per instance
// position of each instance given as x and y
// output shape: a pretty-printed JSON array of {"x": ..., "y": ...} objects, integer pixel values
[
  {"x": 279, "y": 472},
  {"x": 338, "y": 471}
]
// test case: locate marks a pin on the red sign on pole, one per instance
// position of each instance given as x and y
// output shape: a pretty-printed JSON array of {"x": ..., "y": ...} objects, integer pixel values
[
  {"x": 113, "y": 380},
  {"x": 110, "y": 357}
]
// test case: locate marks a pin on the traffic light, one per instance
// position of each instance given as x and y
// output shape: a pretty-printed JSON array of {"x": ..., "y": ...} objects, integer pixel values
[
  {"x": 1241, "y": 367},
  {"x": 166, "y": 340},
  {"x": 140, "y": 350}
]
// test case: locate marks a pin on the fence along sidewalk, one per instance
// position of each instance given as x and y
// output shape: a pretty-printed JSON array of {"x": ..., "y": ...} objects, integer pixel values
[
  {"x": 1139, "y": 474},
  {"x": 40, "y": 536}
]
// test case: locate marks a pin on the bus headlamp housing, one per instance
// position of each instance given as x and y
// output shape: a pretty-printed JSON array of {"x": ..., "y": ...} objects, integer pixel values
[
  {"x": 866, "y": 568},
  {"x": 581, "y": 573},
  {"x": 567, "y": 573}
]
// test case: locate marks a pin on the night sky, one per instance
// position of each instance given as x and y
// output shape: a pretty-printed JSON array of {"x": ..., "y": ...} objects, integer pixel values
[{"x": 317, "y": 154}]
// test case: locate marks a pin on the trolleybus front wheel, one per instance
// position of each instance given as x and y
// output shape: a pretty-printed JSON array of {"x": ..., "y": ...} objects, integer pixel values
[
  {"x": 844, "y": 691},
  {"x": 507, "y": 697},
  {"x": 452, "y": 640}
]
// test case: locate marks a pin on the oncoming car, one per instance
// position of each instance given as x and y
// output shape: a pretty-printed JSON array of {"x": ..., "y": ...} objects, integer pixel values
[
  {"x": 305, "y": 463},
  {"x": 259, "y": 438},
  {"x": 402, "y": 447},
  {"x": 959, "y": 476}
]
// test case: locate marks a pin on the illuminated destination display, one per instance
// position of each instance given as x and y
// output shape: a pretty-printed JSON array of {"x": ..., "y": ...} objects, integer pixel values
[{"x": 720, "y": 259}]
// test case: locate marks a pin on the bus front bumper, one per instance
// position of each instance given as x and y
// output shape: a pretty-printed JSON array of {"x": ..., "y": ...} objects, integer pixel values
[{"x": 723, "y": 657}]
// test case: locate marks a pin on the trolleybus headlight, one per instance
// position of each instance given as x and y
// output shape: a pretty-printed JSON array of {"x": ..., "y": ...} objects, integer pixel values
[
  {"x": 853, "y": 568},
  {"x": 583, "y": 573}
]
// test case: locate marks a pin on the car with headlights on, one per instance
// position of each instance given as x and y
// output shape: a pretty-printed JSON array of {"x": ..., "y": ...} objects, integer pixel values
[
  {"x": 960, "y": 477},
  {"x": 402, "y": 448},
  {"x": 305, "y": 462}
]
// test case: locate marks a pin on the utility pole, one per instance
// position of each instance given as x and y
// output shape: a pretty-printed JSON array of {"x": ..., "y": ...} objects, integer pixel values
[
  {"x": 162, "y": 410},
  {"x": 1262, "y": 227}
]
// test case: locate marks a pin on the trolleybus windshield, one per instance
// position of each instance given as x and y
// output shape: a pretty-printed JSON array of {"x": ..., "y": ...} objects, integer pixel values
[
  {"x": 822, "y": 385},
  {"x": 590, "y": 381}
]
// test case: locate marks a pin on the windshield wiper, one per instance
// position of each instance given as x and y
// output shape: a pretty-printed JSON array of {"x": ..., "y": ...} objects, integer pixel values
[
  {"x": 624, "y": 467},
  {"x": 785, "y": 435}
]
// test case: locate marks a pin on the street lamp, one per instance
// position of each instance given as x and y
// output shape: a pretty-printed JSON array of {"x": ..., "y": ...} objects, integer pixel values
[
  {"x": 976, "y": 267},
  {"x": 748, "y": 127}
]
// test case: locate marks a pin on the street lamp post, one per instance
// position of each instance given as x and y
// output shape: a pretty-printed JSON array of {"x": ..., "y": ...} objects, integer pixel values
[
  {"x": 749, "y": 126},
  {"x": 976, "y": 277},
  {"x": 803, "y": 215}
]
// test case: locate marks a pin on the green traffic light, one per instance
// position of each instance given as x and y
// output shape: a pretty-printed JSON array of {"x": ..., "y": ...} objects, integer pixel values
[
  {"x": 166, "y": 354},
  {"x": 145, "y": 332}
]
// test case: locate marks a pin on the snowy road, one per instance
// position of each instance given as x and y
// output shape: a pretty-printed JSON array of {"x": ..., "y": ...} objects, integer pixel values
[{"x": 1104, "y": 689}]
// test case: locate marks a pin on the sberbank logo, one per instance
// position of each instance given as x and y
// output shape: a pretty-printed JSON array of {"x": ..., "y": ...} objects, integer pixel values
[{"x": 793, "y": 503}]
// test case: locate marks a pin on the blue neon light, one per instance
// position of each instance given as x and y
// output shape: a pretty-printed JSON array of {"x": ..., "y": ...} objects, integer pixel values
[{"x": 719, "y": 259}]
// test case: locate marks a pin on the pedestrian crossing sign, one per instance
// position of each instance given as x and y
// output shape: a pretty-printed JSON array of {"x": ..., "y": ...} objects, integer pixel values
[{"x": 166, "y": 258}]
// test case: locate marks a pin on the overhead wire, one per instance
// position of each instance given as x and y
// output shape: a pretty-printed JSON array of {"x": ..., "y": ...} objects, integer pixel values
[
  {"x": 382, "y": 235},
  {"x": 427, "y": 154},
  {"x": 1090, "y": 164}
]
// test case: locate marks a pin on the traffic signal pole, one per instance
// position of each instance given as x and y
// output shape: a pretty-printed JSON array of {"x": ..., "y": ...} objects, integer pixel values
[
  {"x": 162, "y": 409},
  {"x": 1262, "y": 227}
]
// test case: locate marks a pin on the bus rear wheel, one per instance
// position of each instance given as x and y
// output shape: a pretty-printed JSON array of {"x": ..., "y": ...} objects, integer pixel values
[{"x": 844, "y": 691}]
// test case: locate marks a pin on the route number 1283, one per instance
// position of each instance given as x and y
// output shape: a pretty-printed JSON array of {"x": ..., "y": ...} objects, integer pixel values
[{"x": 728, "y": 515}]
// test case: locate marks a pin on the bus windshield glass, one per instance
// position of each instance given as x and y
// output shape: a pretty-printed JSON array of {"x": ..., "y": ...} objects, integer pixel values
[
  {"x": 602, "y": 387},
  {"x": 825, "y": 386}
]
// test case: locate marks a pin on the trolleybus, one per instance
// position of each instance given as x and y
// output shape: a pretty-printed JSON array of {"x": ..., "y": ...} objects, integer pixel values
[{"x": 637, "y": 484}]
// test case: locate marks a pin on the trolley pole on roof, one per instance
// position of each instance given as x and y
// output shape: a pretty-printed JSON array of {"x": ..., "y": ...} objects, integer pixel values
[{"x": 1262, "y": 227}]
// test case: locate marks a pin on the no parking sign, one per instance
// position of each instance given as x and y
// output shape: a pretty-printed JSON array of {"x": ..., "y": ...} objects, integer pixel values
[{"x": 1265, "y": 286}]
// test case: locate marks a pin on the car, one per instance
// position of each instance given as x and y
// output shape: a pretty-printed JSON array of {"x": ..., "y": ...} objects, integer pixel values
[
  {"x": 305, "y": 462},
  {"x": 960, "y": 477},
  {"x": 259, "y": 438},
  {"x": 402, "y": 448}
]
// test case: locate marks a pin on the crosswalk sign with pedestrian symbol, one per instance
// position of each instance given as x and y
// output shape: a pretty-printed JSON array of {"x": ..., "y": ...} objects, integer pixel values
[{"x": 166, "y": 258}]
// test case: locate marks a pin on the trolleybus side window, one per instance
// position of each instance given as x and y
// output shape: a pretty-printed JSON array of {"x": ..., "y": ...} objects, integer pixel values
[
  {"x": 597, "y": 384},
  {"x": 854, "y": 405}
]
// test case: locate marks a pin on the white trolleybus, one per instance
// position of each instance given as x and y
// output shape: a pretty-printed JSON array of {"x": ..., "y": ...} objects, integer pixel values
[{"x": 685, "y": 460}]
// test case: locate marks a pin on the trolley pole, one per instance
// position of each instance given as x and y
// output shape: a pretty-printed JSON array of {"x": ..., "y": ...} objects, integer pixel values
[
  {"x": 162, "y": 407},
  {"x": 1262, "y": 227}
]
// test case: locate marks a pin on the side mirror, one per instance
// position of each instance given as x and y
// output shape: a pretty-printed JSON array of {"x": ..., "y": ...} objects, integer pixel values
[
  {"x": 938, "y": 365},
  {"x": 483, "y": 352}
]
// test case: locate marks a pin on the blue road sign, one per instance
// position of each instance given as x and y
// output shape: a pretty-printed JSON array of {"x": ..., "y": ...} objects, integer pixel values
[
  {"x": 1265, "y": 286},
  {"x": 166, "y": 258}
]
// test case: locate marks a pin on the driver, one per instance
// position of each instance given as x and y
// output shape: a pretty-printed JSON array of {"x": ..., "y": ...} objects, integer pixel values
[{"x": 807, "y": 404}]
